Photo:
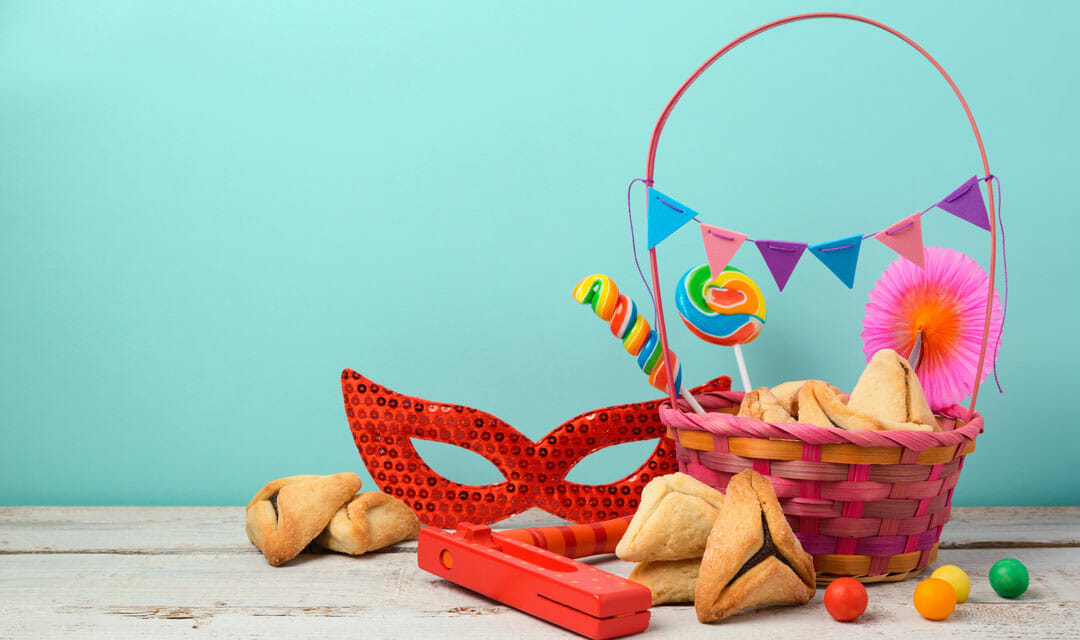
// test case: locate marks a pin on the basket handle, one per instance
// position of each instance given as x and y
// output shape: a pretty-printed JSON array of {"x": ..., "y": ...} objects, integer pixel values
[{"x": 649, "y": 174}]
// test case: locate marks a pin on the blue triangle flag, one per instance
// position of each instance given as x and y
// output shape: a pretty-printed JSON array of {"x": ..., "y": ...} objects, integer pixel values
[
  {"x": 840, "y": 256},
  {"x": 666, "y": 215}
]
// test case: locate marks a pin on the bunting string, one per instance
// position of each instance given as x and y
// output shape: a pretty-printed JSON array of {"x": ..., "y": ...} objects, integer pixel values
[
  {"x": 633, "y": 241},
  {"x": 749, "y": 239},
  {"x": 1005, "y": 267},
  {"x": 666, "y": 215}
]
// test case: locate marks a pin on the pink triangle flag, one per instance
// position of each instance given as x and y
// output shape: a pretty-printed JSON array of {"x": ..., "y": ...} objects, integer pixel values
[
  {"x": 720, "y": 246},
  {"x": 781, "y": 258},
  {"x": 905, "y": 238}
]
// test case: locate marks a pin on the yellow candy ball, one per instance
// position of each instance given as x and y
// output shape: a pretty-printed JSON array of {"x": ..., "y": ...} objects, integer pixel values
[
  {"x": 935, "y": 599},
  {"x": 955, "y": 576}
]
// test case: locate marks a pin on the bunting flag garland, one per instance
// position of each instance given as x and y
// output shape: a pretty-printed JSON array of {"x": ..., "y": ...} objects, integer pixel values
[
  {"x": 720, "y": 246},
  {"x": 840, "y": 256},
  {"x": 666, "y": 215},
  {"x": 781, "y": 258},
  {"x": 905, "y": 238},
  {"x": 967, "y": 203}
]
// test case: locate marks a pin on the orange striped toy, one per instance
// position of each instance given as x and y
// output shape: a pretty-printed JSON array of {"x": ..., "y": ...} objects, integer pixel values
[{"x": 574, "y": 541}]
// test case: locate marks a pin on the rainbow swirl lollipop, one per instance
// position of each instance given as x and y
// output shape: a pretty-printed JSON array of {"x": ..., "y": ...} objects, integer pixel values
[
  {"x": 727, "y": 310},
  {"x": 626, "y": 324}
]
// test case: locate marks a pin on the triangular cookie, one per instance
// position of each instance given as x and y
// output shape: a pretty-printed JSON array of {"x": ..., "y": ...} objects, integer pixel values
[
  {"x": 889, "y": 425},
  {"x": 762, "y": 404},
  {"x": 890, "y": 390},
  {"x": 840, "y": 414},
  {"x": 819, "y": 404},
  {"x": 787, "y": 394},
  {"x": 810, "y": 412},
  {"x": 670, "y": 581},
  {"x": 673, "y": 521},
  {"x": 369, "y": 521},
  {"x": 919, "y": 410},
  {"x": 287, "y": 514},
  {"x": 753, "y": 557}
]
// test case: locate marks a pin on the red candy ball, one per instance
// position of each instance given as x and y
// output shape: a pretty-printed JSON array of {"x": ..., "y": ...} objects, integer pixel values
[{"x": 845, "y": 599}]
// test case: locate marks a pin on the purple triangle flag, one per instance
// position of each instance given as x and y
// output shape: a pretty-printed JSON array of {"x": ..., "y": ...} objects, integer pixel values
[
  {"x": 840, "y": 256},
  {"x": 780, "y": 258},
  {"x": 666, "y": 215},
  {"x": 967, "y": 203}
]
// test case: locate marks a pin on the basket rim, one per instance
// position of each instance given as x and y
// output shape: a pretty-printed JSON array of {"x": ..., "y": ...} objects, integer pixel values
[{"x": 725, "y": 424}]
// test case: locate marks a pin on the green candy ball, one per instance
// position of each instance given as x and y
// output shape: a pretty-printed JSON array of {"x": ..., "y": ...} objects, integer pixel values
[{"x": 1009, "y": 577}]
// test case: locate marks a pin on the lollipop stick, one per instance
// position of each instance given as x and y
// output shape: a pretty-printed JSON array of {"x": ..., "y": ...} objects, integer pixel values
[
  {"x": 742, "y": 369},
  {"x": 691, "y": 401}
]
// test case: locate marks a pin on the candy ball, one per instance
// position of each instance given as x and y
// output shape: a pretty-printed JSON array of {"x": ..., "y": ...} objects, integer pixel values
[
  {"x": 845, "y": 599},
  {"x": 955, "y": 576},
  {"x": 1009, "y": 577},
  {"x": 934, "y": 599},
  {"x": 726, "y": 310}
]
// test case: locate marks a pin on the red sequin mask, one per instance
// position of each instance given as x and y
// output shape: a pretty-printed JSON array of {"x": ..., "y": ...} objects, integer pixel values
[{"x": 384, "y": 423}]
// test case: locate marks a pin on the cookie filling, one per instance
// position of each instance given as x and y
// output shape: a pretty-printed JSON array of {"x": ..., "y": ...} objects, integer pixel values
[
  {"x": 768, "y": 548},
  {"x": 273, "y": 503}
]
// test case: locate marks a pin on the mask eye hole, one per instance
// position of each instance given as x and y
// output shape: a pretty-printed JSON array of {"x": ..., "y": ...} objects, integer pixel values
[
  {"x": 457, "y": 464},
  {"x": 611, "y": 464}
]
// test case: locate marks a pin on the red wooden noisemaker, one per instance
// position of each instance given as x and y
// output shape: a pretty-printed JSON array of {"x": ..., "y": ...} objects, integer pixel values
[{"x": 510, "y": 567}]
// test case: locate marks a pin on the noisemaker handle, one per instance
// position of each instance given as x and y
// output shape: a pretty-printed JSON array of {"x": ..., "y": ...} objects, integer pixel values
[{"x": 573, "y": 541}]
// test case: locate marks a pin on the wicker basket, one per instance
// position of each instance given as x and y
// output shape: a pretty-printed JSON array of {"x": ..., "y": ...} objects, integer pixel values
[{"x": 866, "y": 504}]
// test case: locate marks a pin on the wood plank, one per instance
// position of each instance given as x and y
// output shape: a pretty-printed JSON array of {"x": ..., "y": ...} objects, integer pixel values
[
  {"x": 149, "y": 530},
  {"x": 231, "y": 594},
  {"x": 1004, "y": 527},
  {"x": 121, "y": 529}
]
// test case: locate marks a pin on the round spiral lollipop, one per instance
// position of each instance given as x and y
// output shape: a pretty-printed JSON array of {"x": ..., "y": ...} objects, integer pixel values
[{"x": 727, "y": 310}]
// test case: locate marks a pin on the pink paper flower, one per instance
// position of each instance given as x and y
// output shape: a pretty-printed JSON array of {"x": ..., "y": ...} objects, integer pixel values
[{"x": 946, "y": 301}]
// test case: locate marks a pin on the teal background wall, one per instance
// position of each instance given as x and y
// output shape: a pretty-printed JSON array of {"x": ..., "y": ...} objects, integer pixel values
[{"x": 210, "y": 209}]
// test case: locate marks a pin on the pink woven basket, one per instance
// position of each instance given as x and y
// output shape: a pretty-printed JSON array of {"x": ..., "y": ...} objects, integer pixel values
[{"x": 866, "y": 504}]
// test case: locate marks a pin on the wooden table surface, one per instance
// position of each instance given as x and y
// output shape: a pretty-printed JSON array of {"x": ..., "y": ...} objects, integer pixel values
[{"x": 171, "y": 572}]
